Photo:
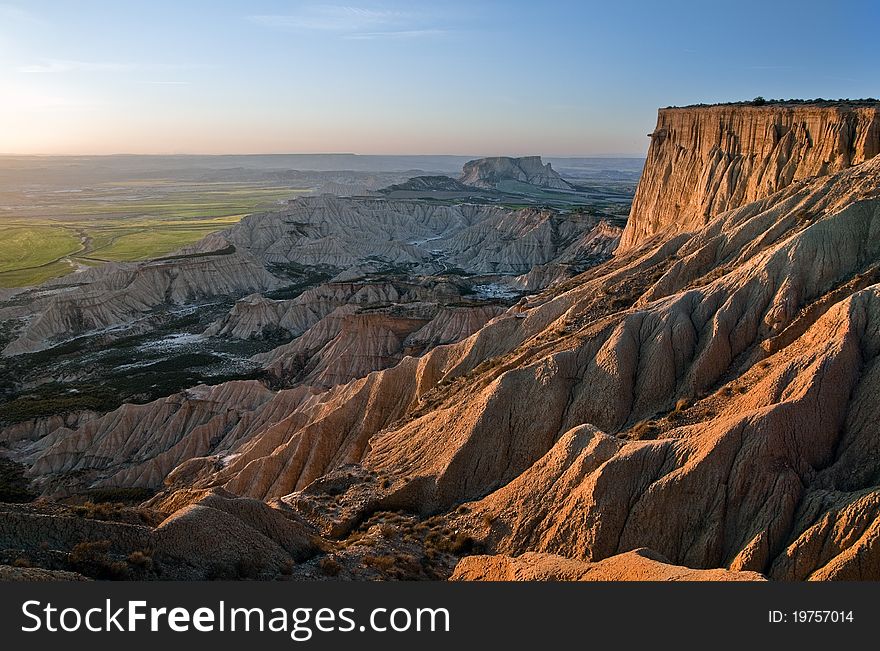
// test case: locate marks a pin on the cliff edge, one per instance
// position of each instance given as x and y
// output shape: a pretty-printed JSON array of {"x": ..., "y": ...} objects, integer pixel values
[{"x": 704, "y": 160}]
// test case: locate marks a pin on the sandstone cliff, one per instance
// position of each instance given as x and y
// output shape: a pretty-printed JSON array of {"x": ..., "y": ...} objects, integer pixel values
[{"x": 707, "y": 159}]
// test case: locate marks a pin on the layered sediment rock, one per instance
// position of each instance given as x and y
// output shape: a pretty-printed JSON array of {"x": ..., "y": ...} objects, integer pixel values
[
  {"x": 257, "y": 316},
  {"x": 137, "y": 445},
  {"x": 704, "y": 160},
  {"x": 114, "y": 295},
  {"x": 200, "y": 429}
]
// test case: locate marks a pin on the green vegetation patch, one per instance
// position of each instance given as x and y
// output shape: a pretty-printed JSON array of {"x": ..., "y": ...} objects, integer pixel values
[
  {"x": 151, "y": 243},
  {"x": 23, "y": 247},
  {"x": 14, "y": 486},
  {"x": 51, "y": 399}
]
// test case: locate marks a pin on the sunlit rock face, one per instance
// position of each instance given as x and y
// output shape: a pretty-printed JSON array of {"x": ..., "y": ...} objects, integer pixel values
[{"x": 704, "y": 160}]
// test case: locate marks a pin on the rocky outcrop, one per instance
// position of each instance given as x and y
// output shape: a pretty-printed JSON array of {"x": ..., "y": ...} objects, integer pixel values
[
  {"x": 757, "y": 445},
  {"x": 115, "y": 295},
  {"x": 256, "y": 316},
  {"x": 255, "y": 537},
  {"x": 350, "y": 343},
  {"x": 428, "y": 238},
  {"x": 140, "y": 445},
  {"x": 28, "y": 529},
  {"x": 361, "y": 342},
  {"x": 451, "y": 324},
  {"x": 419, "y": 184},
  {"x": 137, "y": 445},
  {"x": 36, "y": 428},
  {"x": 490, "y": 172},
  {"x": 516, "y": 242},
  {"x": 704, "y": 160},
  {"x": 201, "y": 535},
  {"x": 637, "y": 565}
]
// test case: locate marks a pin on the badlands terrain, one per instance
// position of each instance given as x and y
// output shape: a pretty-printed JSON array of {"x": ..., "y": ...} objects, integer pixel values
[{"x": 477, "y": 377}]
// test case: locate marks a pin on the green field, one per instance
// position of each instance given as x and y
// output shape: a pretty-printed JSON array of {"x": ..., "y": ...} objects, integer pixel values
[
  {"x": 23, "y": 247},
  {"x": 47, "y": 235}
]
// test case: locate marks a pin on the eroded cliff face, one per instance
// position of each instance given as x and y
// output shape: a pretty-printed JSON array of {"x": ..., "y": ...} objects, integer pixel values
[{"x": 705, "y": 160}]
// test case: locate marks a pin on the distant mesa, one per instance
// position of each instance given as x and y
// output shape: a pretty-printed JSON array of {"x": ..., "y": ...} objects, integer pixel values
[
  {"x": 488, "y": 173},
  {"x": 437, "y": 183},
  {"x": 497, "y": 173}
]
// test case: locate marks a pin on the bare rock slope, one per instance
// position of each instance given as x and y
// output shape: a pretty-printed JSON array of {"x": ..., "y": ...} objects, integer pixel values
[{"x": 637, "y": 565}]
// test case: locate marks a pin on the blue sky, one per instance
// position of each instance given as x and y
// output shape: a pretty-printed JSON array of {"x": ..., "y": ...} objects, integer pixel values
[{"x": 551, "y": 78}]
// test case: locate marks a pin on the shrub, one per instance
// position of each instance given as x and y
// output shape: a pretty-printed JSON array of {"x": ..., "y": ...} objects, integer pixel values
[
  {"x": 388, "y": 530},
  {"x": 220, "y": 572},
  {"x": 127, "y": 495},
  {"x": 681, "y": 406},
  {"x": 100, "y": 511},
  {"x": 462, "y": 544},
  {"x": 89, "y": 552},
  {"x": 13, "y": 483},
  {"x": 90, "y": 558},
  {"x": 358, "y": 538},
  {"x": 247, "y": 568},
  {"x": 21, "y": 562},
  {"x": 643, "y": 430},
  {"x": 141, "y": 559},
  {"x": 330, "y": 566},
  {"x": 287, "y": 567},
  {"x": 383, "y": 563}
]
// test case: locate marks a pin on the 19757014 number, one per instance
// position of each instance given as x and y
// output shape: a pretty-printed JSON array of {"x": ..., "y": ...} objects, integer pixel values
[{"x": 811, "y": 616}]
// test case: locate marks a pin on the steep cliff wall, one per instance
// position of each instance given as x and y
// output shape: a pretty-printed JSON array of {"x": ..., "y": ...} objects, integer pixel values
[{"x": 705, "y": 160}]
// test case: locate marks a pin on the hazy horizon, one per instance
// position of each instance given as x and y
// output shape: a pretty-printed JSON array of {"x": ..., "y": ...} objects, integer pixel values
[
  {"x": 325, "y": 153},
  {"x": 386, "y": 77}
]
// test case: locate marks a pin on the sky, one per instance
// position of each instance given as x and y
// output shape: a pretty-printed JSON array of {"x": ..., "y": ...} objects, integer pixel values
[{"x": 386, "y": 77}]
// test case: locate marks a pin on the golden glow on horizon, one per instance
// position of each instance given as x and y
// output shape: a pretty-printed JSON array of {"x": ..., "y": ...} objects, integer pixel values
[{"x": 51, "y": 119}]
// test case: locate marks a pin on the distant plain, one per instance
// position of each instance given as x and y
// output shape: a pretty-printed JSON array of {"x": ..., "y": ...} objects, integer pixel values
[{"x": 49, "y": 233}]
